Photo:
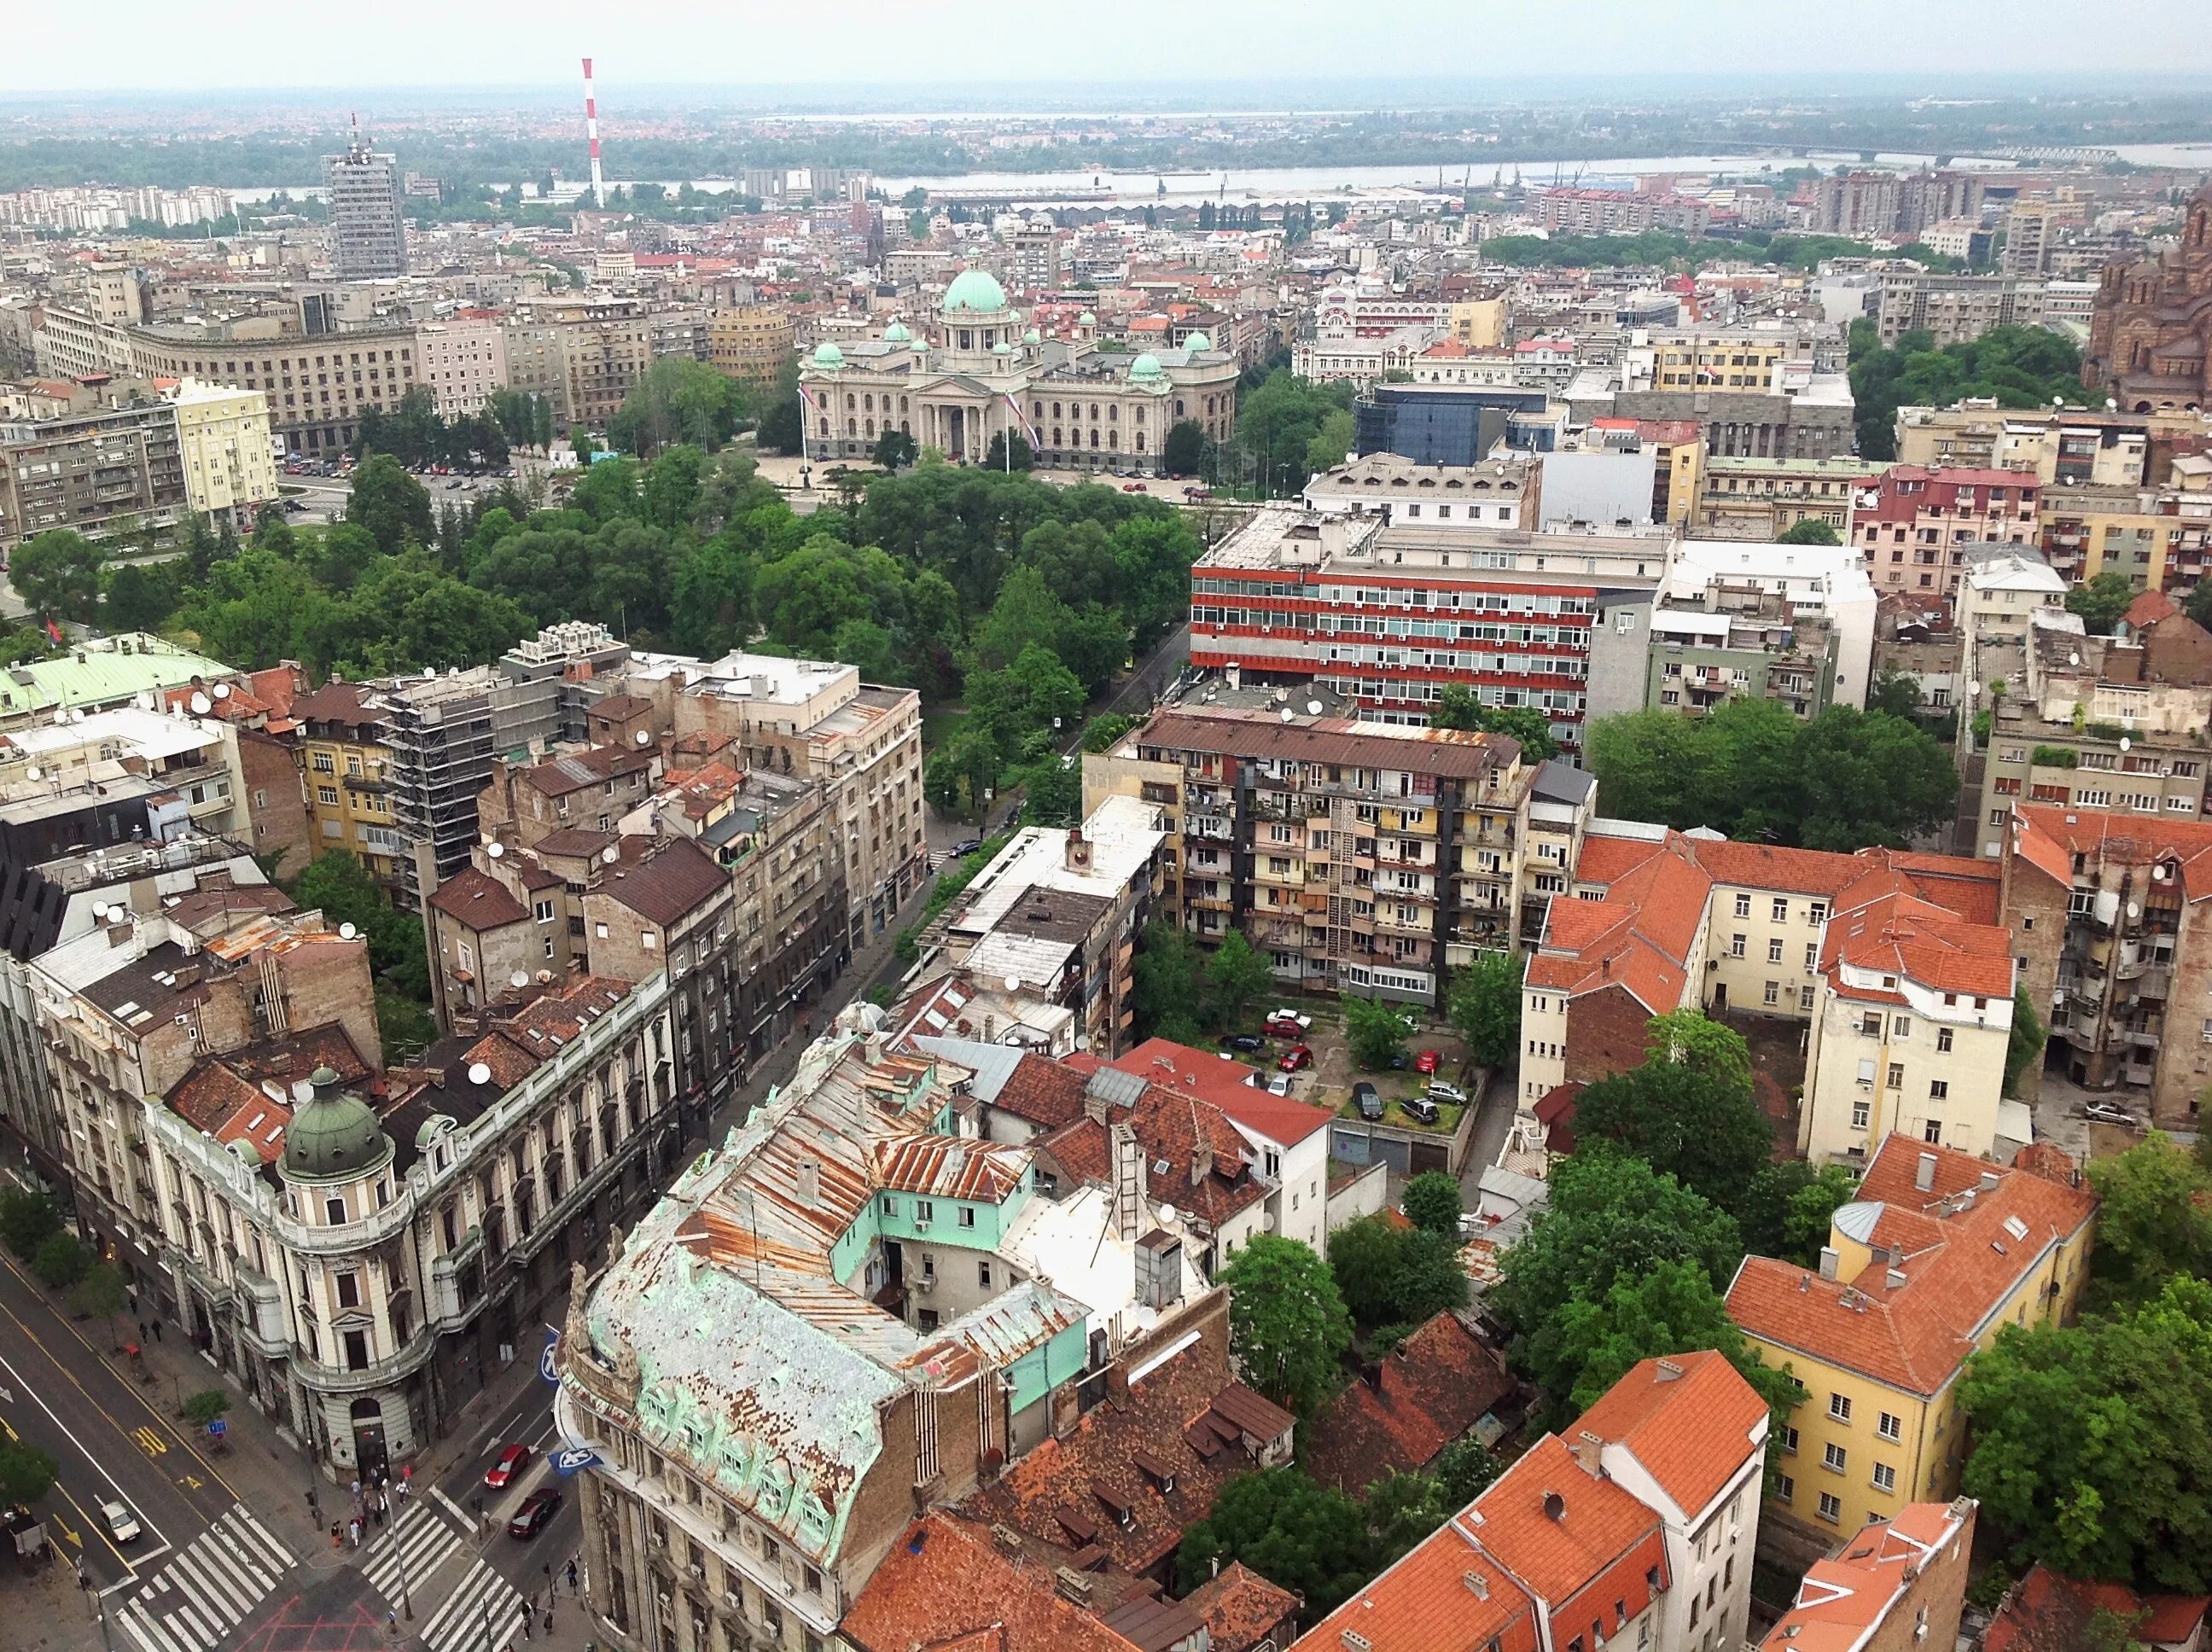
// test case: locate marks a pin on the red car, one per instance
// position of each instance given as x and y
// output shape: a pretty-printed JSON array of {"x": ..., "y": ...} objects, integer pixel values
[
  {"x": 536, "y": 1513},
  {"x": 1133, "y": 488},
  {"x": 1296, "y": 1057},
  {"x": 511, "y": 1462},
  {"x": 1427, "y": 1061}
]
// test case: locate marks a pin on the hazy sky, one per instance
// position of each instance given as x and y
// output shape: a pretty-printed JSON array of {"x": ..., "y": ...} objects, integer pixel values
[{"x": 46, "y": 45}]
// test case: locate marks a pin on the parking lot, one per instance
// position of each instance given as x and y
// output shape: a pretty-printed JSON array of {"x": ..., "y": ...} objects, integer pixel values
[{"x": 1330, "y": 1079}]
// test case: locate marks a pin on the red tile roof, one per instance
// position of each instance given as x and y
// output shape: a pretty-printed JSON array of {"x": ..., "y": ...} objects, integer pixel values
[
  {"x": 2044, "y": 1609},
  {"x": 1691, "y": 1420},
  {"x": 477, "y": 901},
  {"x": 1951, "y": 1241},
  {"x": 945, "y": 1585},
  {"x": 1430, "y": 1390},
  {"x": 1043, "y": 1092},
  {"x": 1225, "y": 1083},
  {"x": 1843, "y": 1600},
  {"x": 1915, "y": 940},
  {"x": 2121, "y": 840},
  {"x": 1240, "y": 1608},
  {"x": 1555, "y": 1557},
  {"x": 1206, "y": 1174},
  {"x": 1445, "y": 1596},
  {"x": 945, "y": 1167}
]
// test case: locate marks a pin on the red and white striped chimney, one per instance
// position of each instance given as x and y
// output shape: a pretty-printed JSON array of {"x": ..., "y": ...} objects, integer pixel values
[{"x": 592, "y": 132}]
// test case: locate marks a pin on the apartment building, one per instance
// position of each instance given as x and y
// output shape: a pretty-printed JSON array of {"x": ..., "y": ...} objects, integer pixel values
[
  {"x": 814, "y": 719},
  {"x": 362, "y": 1251},
  {"x": 581, "y": 354},
  {"x": 2070, "y": 447},
  {"x": 845, "y": 1317},
  {"x": 1637, "y": 1530},
  {"x": 317, "y": 385},
  {"x": 1619, "y": 212},
  {"x": 1940, "y": 1251},
  {"x": 223, "y": 445},
  {"x": 119, "y": 776},
  {"x": 345, "y": 769},
  {"x": 100, "y": 673},
  {"x": 2156, "y": 539},
  {"x": 592, "y": 788},
  {"x": 1744, "y": 359},
  {"x": 368, "y": 224},
  {"x": 462, "y": 360},
  {"x": 1899, "y": 1585},
  {"x": 1912, "y": 525},
  {"x": 750, "y": 343},
  {"x": 1505, "y": 491},
  {"x": 1390, "y": 613},
  {"x": 1793, "y": 623},
  {"x": 91, "y": 471},
  {"x": 1358, "y": 856},
  {"x": 1742, "y": 498},
  {"x": 1955, "y": 309}
]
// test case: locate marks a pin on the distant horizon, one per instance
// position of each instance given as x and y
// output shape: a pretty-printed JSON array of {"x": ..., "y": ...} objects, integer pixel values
[{"x": 258, "y": 47}]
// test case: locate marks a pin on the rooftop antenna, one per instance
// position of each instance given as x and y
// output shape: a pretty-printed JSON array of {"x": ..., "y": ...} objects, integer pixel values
[{"x": 591, "y": 132}]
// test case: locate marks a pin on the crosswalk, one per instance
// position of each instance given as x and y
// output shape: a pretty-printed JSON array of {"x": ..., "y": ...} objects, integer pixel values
[
  {"x": 205, "y": 1589},
  {"x": 399, "y": 1563},
  {"x": 484, "y": 1614}
]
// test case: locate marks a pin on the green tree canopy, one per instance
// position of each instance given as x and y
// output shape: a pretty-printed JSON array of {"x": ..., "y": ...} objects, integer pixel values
[
  {"x": 58, "y": 573},
  {"x": 1672, "y": 1310},
  {"x": 2154, "y": 1221},
  {"x": 678, "y": 400},
  {"x": 2016, "y": 366},
  {"x": 1484, "y": 1007},
  {"x": 1391, "y": 1275},
  {"x": 1688, "y": 1111},
  {"x": 61, "y": 1260},
  {"x": 2102, "y": 602},
  {"x": 391, "y": 504},
  {"x": 1287, "y": 1324},
  {"x": 1310, "y": 1539},
  {"x": 27, "y": 1473},
  {"x": 1376, "y": 1030},
  {"x": 1457, "y": 707},
  {"x": 27, "y": 1220},
  {"x": 1785, "y": 1209},
  {"x": 1811, "y": 531},
  {"x": 1431, "y": 1202}
]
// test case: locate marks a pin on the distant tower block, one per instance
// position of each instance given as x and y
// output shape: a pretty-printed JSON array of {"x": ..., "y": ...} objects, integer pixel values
[{"x": 591, "y": 132}]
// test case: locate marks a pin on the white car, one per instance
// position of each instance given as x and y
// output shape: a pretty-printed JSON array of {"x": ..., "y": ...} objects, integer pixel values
[
  {"x": 1441, "y": 1092},
  {"x": 122, "y": 1524},
  {"x": 2106, "y": 1113}
]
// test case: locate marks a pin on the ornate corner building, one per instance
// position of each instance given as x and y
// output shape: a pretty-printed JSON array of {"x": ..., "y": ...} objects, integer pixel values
[{"x": 2150, "y": 336}]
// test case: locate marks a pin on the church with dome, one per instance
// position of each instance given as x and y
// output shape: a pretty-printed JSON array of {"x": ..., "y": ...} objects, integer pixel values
[
  {"x": 981, "y": 373},
  {"x": 2150, "y": 335}
]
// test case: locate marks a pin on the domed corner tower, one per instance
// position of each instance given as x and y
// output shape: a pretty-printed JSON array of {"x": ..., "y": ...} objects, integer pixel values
[{"x": 973, "y": 319}]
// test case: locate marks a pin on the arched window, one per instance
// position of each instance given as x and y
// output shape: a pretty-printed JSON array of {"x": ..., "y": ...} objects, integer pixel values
[
  {"x": 1094, "y": 412},
  {"x": 903, "y": 408},
  {"x": 825, "y": 426},
  {"x": 1178, "y": 407},
  {"x": 851, "y": 430},
  {"x": 1094, "y": 438},
  {"x": 1141, "y": 416},
  {"x": 867, "y": 404},
  {"x": 1114, "y": 413},
  {"x": 872, "y": 427},
  {"x": 1140, "y": 442},
  {"x": 1055, "y": 410},
  {"x": 903, "y": 431},
  {"x": 849, "y": 402},
  {"x": 1036, "y": 410},
  {"x": 1056, "y": 441}
]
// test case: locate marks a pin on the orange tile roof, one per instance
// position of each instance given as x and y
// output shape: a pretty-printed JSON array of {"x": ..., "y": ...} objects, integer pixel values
[
  {"x": 1639, "y": 938},
  {"x": 2044, "y": 1602},
  {"x": 2128, "y": 840},
  {"x": 1240, "y": 1608},
  {"x": 946, "y": 1584},
  {"x": 1599, "y": 1526},
  {"x": 1205, "y": 1074},
  {"x": 1951, "y": 1241},
  {"x": 1605, "y": 857},
  {"x": 1691, "y": 1420},
  {"x": 1430, "y": 1390},
  {"x": 1844, "y": 1598},
  {"x": 1428, "y": 1602},
  {"x": 1916, "y": 940}
]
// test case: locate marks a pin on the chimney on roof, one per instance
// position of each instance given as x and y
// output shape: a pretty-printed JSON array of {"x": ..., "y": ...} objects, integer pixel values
[
  {"x": 1988, "y": 1182},
  {"x": 1924, "y": 1178},
  {"x": 1477, "y": 1584},
  {"x": 810, "y": 1182},
  {"x": 1830, "y": 1261},
  {"x": 1896, "y": 1278},
  {"x": 1078, "y": 855},
  {"x": 1666, "y": 1372},
  {"x": 1590, "y": 1449}
]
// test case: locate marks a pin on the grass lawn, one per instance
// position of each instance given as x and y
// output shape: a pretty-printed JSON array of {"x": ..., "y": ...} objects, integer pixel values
[{"x": 939, "y": 727}]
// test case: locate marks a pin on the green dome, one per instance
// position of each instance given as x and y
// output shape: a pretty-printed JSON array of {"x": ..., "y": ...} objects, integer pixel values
[
  {"x": 827, "y": 355},
  {"x": 1002, "y": 348},
  {"x": 1196, "y": 341},
  {"x": 1087, "y": 319},
  {"x": 897, "y": 333},
  {"x": 975, "y": 289},
  {"x": 335, "y": 1137},
  {"x": 1145, "y": 369},
  {"x": 1032, "y": 336}
]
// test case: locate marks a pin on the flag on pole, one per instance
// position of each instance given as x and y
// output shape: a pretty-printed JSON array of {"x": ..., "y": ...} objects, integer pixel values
[
  {"x": 54, "y": 631},
  {"x": 1036, "y": 442}
]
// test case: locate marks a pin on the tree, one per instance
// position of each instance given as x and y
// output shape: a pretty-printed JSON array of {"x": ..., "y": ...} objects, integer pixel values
[
  {"x": 1484, "y": 1007},
  {"x": 391, "y": 504},
  {"x": 678, "y": 400},
  {"x": 2199, "y": 605},
  {"x": 1785, "y": 1209},
  {"x": 1611, "y": 1216},
  {"x": 1103, "y": 733},
  {"x": 2102, "y": 602},
  {"x": 2092, "y": 1441},
  {"x": 1236, "y": 975},
  {"x": 58, "y": 573},
  {"x": 2014, "y": 366},
  {"x": 1465, "y": 1469},
  {"x": 1280, "y": 427},
  {"x": 1165, "y": 976},
  {"x": 28, "y": 1219},
  {"x": 1184, "y": 451},
  {"x": 1288, "y": 1325},
  {"x": 27, "y": 1473},
  {"x": 1332, "y": 440},
  {"x": 141, "y": 596},
  {"x": 2024, "y": 1045},
  {"x": 2154, "y": 1221},
  {"x": 1391, "y": 1275},
  {"x": 61, "y": 1260},
  {"x": 994, "y": 457},
  {"x": 895, "y": 450},
  {"x": 1052, "y": 789},
  {"x": 203, "y": 1408},
  {"x": 1310, "y": 1539},
  {"x": 1671, "y": 1309},
  {"x": 1376, "y": 1031},
  {"x": 1458, "y": 708},
  {"x": 100, "y": 1294},
  {"x": 1689, "y": 1111},
  {"x": 1897, "y": 693},
  {"x": 1431, "y": 1203},
  {"x": 1401, "y": 1511},
  {"x": 1811, "y": 531}
]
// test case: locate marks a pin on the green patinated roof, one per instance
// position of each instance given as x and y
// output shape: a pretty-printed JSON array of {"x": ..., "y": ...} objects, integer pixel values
[
  {"x": 827, "y": 355},
  {"x": 107, "y": 675},
  {"x": 975, "y": 289},
  {"x": 335, "y": 1136},
  {"x": 1145, "y": 367}
]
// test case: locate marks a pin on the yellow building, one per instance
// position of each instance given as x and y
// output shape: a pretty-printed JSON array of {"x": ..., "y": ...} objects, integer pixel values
[
  {"x": 2157, "y": 537},
  {"x": 347, "y": 769},
  {"x": 1939, "y": 1253},
  {"x": 1480, "y": 323},
  {"x": 223, "y": 439},
  {"x": 750, "y": 342},
  {"x": 1748, "y": 498},
  {"x": 1728, "y": 358}
]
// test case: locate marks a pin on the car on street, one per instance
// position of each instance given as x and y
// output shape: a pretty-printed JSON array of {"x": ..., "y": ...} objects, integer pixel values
[
  {"x": 1296, "y": 1059},
  {"x": 1441, "y": 1092},
  {"x": 965, "y": 846},
  {"x": 1368, "y": 1100},
  {"x": 457, "y": 482},
  {"x": 1287, "y": 1023},
  {"x": 2107, "y": 1113},
  {"x": 1422, "y": 1109},
  {"x": 122, "y": 1524},
  {"x": 1133, "y": 488},
  {"x": 1244, "y": 1042},
  {"x": 1427, "y": 1061},
  {"x": 510, "y": 1462},
  {"x": 536, "y": 1513}
]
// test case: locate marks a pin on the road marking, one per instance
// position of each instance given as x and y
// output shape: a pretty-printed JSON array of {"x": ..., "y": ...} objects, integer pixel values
[
  {"x": 214, "y": 1583},
  {"x": 409, "y": 1555},
  {"x": 150, "y": 1635},
  {"x": 460, "y": 1624},
  {"x": 98, "y": 1467},
  {"x": 191, "y": 1482},
  {"x": 467, "y": 1519},
  {"x": 150, "y": 1442}
]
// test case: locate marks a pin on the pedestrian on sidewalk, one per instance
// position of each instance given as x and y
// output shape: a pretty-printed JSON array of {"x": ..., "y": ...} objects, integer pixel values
[
  {"x": 157, "y": 1330},
  {"x": 353, "y": 1530},
  {"x": 572, "y": 1574},
  {"x": 142, "y": 1337},
  {"x": 337, "y": 1538}
]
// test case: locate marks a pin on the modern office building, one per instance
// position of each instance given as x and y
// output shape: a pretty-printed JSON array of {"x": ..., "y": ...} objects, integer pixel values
[
  {"x": 368, "y": 223},
  {"x": 1450, "y": 424}
]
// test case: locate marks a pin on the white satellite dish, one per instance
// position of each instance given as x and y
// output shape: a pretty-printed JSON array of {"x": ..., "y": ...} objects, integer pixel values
[
  {"x": 643, "y": 737},
  {"x": 32, "y": 772},
  {"x": 611, "y": 853},
  {"x": 1313, "y": 707},
  {"x": 100, "y": 910},
  {"x": 347, "y": 932},
  {"x": 222, "y": 690},
  {"x": 1289, "y": 716},
  {"x": 1013, "y": 983},
  {"x": 479, "y": 1073},
  {"x": 200, "y": 704},
  {"x": 1167, "y": 1213},
  {"x": 2135, "y": 908},
  {"x": 519, "y": 978},
  {"x": 2074, "y": 658},
  {"x": 493, "y": 851},
  {"x": 2125, "y": 743}
]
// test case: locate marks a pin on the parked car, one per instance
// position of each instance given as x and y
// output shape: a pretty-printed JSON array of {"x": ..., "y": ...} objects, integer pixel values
[
  {"x": 536, "y": 1513},
  {"x": 2107, "y": 1113},
  {"x": 1284, "y": 1024},
  {"x": 965, "y": 846},
  {"x": 1427, "y": 1061},
  {"x": 1368, "y": 1100},
  {"x": 122, "y": 1524},
  {"x": 1420, "y": 1109},
  {"x": 1133, "y": 488},
  {"x": 456, "y": 483},
  {"x": 1441, "y": 1092},
  {"x": 510, "y": 1462},
  {"x": 1244, "y": 1042},
  {"x": 1279, "y": 1083},
  {"x": 1296, "y": 1059}
]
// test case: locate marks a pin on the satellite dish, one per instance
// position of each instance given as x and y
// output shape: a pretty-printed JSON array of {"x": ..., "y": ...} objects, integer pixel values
[
  {"x": 222, "y": 690},
  {"x": 100, "y": 910},
  {"x": 32, "y": 772},
  {"x": 2074, "y": 657},
  {"x": 1013, "y": 983},
  {"x": 1313, "y": 707},
  {"x": 2135, "y": 908},
  {"x": 479, "y": 1073},
  {"x": 519, "y": 978},
  {"x": 1226, "y": 1055},
  {"x": 200, "y": 704},
  {"x": 347, "y": 932},
  {"x": 644, "y": 738},
  {"x": 1289, "y": 716},
  {"x": 1167, "y": 1213},
  {"x": 2125, "y": 743},
  {"x": 493, "y": 851},
  {"x": 611, "y": 853}
]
